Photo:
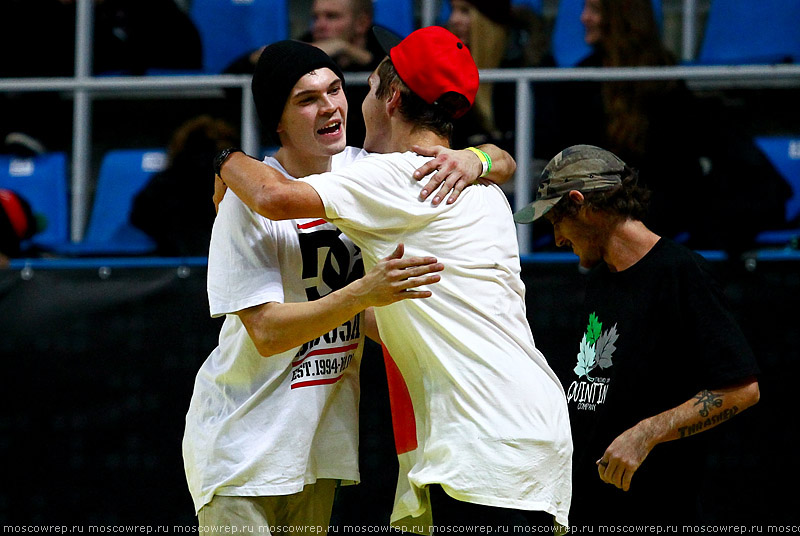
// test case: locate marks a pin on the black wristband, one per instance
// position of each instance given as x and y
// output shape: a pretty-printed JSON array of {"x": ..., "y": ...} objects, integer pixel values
[{"x": 222, "y": 156}]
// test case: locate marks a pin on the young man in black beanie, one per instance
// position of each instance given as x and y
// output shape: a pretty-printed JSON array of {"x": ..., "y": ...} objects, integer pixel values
[
  {"x": 273, "y": 421},
  {"x": 480, "y": 420}
]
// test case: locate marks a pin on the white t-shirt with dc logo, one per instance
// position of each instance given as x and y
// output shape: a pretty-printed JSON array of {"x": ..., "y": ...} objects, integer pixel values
[{"x": 262, "y": 426}]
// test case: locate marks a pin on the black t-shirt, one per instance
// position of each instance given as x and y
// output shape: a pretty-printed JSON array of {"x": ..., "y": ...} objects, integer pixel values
[{"x": 655, "y": 335}]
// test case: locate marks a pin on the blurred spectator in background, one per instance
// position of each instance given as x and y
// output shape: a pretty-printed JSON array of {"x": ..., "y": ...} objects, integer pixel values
[
  {"x": 342, "y": 29},
  {"x": 17, "y": 223},
  {"x": 130, "y": 37},
  {"x": 134, "y": 36},
  {"x": 175, "y": 207},
  {"x": 38, "y": 40},
  {"x": 649, "y": 124},
  {"x": 657, "y": 127},
  {"x": 501, "y": 36}
]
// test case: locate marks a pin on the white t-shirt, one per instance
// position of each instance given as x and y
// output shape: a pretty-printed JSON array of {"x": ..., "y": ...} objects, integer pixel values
[
  {"x": 476, "y": 407},
  {"x": 261, "y": 426}
]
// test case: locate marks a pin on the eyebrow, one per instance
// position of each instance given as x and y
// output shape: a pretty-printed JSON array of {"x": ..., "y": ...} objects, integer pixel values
[{"x": 306, "y": 92}]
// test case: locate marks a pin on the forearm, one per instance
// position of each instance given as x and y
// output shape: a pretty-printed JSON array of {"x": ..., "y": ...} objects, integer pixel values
[
  {"x": 709, "y": 408},
  {"x": 277, "y": 327},
  {"x": 503, "y": 165},
  {"x": 706, "y": 410},
  {"x": 262, "y": 188}
]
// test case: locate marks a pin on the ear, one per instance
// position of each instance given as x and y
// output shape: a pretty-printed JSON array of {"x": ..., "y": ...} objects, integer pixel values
[
  {"x": 393, "y": 102},
  {"x": 280, "y": 131},
  {"x": 576, "y": 197}
]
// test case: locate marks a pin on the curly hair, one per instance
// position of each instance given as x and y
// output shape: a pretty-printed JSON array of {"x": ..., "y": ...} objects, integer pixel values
[{"x": 629, "y": 200}]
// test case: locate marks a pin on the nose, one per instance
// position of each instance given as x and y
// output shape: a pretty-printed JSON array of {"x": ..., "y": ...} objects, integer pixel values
[
  {"x": 558, "y": 238},
  {"x": 328, "y": 106}
]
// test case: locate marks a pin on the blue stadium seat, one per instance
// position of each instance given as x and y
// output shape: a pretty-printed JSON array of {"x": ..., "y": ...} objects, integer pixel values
[
  {"x": 396, "y": 15},
  {"x": 42, "y": 181},
  {"x": 744, "y": 31},
  {"x": 784, "y": 153},
  {"x": 231, "y": 28},
  {"x": 567, "y": 42},
  {"x": 123, "y": 173}
]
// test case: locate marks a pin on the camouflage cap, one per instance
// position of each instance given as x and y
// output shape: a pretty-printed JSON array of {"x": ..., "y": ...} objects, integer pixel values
[{"x": 585, "y": 168}]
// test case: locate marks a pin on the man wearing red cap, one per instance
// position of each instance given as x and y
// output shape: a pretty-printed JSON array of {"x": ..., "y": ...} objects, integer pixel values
[{"x": 480, "y": 419}]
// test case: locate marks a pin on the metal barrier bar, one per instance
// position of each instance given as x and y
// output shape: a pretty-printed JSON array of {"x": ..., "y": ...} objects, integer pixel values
[
  {"x": 689, "y": 35},
  {"x": 97, "y": 84},
  {"x": 523, "y": 146},
  {"x": 251, "y": 134},
  {"x": 728, "y": 73},
  {"x": 81, "y": 120},
  {"x": 428, "y": 11}
]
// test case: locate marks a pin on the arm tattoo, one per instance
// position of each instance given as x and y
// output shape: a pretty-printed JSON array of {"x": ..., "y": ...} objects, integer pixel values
[{"x": 709, "y": 401}]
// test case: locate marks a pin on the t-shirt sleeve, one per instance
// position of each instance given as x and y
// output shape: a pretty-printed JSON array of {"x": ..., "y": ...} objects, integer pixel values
[
  {"x": 243, "y": 263},
  {"x": 376, "y": 192},
  {"x": 723, "y": 353}
]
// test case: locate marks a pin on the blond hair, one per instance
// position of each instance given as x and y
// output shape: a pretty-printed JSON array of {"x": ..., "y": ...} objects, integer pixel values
[{"x": 487, "y": 43}]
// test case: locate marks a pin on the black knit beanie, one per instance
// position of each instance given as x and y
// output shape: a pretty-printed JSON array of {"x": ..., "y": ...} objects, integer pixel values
[{"x": 279, "y": 67}]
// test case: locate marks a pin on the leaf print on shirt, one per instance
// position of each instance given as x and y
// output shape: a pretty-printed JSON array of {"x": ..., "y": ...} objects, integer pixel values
[
  {"x": 596, "y": 348},
  {"x": 594, "y": 329},
  {"x": 586, "y": 360},
  {"x": 605, "y": 347}
]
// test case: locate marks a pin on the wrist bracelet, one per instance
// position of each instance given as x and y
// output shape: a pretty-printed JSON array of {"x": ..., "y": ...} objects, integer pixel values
[
  {"x": 486, "y": 161},
  {"x": 222, "y": 156}
]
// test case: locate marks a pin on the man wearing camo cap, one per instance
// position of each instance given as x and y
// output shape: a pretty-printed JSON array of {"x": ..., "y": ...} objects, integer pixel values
[
  {"x": 661, "y": 358},
  {"x": 581, "y": 167}
]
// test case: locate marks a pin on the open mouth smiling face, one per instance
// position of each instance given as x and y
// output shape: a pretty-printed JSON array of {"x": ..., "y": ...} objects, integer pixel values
[{"x": 331, "y": 128}]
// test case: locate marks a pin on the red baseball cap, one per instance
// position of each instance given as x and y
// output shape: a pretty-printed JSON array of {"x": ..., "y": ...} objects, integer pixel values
[{"x": 432, "y": 61}]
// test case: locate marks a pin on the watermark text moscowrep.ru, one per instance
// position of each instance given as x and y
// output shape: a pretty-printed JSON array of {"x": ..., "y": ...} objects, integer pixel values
[{"x": 211, "y": 530}]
